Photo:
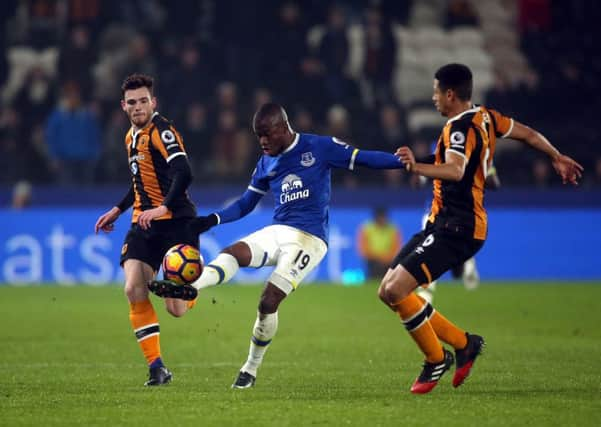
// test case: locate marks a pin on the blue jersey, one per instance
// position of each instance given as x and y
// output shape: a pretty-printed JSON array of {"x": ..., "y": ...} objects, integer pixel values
[{"x": 299, "y": 179}]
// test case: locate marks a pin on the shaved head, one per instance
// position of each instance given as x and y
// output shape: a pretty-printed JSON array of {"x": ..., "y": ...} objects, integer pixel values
[
  {"x": 270, "y": 114},
  {"x": 272, "y": 128}
]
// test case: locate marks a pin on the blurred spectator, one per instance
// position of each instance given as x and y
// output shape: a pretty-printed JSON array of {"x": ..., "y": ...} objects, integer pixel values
[
  {"x": 380, "y": 56},
  {"x": 289, "y": 40},
  {"x": 76, "y": 56},
  {"x": 36, "y": 96},
  {"x": 534, "y": 15},
  {"x": 378, "y": 242},
  {"x": 224, "y": 144},
  {"x": 196, "y": 134},
  {"x": 392, "y": 132},
  {"x": 338, "y": 123},
  {"x": 113, "y": 147},
  {"x": 541, "y": 173},
  {"x": 73, "y": 138},
  {"x": 261, "y": 96},
  {"x": 460, "y": 13},
  {"x": 188, "y": 81},
  {"x": 334, "y": 54},
  {"x": 21, "y": 195},
  {"x": 303, "y": 121}
]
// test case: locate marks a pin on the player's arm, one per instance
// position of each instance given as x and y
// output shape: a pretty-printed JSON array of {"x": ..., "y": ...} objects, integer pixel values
[
  {"x": 567, "y": 168},
  {"x": 238, "y": 209},
  {"x": 377, "y": 160},
  {"x": 451, "y": 170},
  {"x": 181, "y": 179},
  {"x": 342, "y": 155},
  {"x": 107, "y": 220}
]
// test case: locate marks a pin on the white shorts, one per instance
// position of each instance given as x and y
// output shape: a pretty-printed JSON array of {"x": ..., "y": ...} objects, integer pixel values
[{"x": 294, "y": 253}]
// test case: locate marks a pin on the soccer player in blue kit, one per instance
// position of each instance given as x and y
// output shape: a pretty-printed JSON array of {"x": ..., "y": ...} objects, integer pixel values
[{"x": 295, "y": 167}]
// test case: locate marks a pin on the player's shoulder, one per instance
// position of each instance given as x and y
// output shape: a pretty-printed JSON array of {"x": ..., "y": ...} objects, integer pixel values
[
  {"x": 164, "y": 129},
  {"x": 162, "y": 123}
]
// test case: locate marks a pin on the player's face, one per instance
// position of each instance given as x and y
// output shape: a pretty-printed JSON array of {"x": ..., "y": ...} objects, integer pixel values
[
  {"x": 139, "y": 106},
  {"x": 272, "y": 137},
  {"x": 440, "y": 99}
]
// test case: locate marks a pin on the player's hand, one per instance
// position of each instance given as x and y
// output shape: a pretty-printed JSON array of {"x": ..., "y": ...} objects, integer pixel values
[
  {"x": 146, "y": 217},
  {"x": 107, "y": 220},
  {"x": 201, "y": 224},
  {"x": 407, "y": 157},
  {"x": 568, "y": 169}
]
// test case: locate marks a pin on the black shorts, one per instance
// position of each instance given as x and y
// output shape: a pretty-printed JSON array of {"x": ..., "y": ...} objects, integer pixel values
[
  {"x": 150, "y": 245},
  {"x": 432, "y": 252}
]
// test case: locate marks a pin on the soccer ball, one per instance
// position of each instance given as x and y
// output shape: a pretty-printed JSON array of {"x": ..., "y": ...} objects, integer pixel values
[{"x": 182, "y": 264}]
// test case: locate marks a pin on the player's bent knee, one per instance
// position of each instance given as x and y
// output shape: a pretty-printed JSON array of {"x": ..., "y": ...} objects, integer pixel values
[{"x": 240, "y": 251}]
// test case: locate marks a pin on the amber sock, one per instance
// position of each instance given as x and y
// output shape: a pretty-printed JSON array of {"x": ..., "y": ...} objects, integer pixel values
[
  {"x": 145, "y": 323},
  {"x": 446, "y": 330},
  {"x": 414, "y": 314}
]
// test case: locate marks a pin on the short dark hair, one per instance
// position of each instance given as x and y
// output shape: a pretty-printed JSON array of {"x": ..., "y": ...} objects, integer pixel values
[
  {"x": 135, "y": 81},
  {"x": 457, "y": 77},
  {"x": 274, "y": 112}
]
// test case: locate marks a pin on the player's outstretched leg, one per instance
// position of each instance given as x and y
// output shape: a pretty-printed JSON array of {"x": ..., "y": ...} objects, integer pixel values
[
  {"x": 466, "y": 357},
  {"x": 169, "y": 289}
]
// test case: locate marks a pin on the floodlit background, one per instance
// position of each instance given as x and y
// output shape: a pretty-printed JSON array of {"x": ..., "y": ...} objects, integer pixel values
[{"x": 358, "y": 70}]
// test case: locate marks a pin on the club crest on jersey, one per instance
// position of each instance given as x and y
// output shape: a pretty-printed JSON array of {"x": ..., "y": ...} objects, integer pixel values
[
  {"x": 307, "y": 159},
  {"x": 292, "y": 189}
]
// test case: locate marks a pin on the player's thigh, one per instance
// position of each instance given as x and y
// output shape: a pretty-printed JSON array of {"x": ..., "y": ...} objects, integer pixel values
[
  {"x": 139, "y": 245},
  {"x": 408, "y": 247},
  {"x": 437, "y": 253},
  {"x": 263, "y": 245},
  {"x": 300, "y": 253}
]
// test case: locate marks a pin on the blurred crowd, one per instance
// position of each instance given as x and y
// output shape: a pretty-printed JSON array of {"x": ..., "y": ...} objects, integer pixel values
[{"x": 215, "y": 61}]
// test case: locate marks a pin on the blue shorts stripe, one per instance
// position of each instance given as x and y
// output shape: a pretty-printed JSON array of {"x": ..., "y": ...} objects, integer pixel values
[
  {"x": 264, "y": 259},
  {"x": 219, "y": 271}
]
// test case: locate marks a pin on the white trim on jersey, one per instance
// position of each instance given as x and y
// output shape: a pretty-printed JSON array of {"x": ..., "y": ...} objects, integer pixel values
[
  {"x": 291, "y": 147},
  {"x": 218, "y": 218},
  {"x": 171, "y": 157},
  {"x": 351, "y": 165},
  {"x": 256, "y": 190},
  {"x": 458, "y": 116},
  {"x": 456, "y": 152},
  {"x": 509, "y": 131}
]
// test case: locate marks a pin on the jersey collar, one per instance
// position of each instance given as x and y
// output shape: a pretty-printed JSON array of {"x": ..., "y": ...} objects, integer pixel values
[
  {"x": 474, "y": 109},
  {"x": 291, "y": 147}
]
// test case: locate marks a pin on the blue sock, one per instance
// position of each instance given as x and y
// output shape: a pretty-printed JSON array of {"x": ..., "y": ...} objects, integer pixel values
[{"x": 156, "y": 363}]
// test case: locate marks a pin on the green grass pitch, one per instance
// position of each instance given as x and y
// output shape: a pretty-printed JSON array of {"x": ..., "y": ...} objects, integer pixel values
[{"x": 68, "y": 357}]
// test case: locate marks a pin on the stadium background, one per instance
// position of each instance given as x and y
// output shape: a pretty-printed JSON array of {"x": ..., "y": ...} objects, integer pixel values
[{"x": 358, "y": 70}]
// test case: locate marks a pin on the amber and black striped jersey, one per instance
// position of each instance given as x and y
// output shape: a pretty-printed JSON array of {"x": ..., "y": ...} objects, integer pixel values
[
  {"x": 149, "y": 152},
  {"x": 471, "y": 134}
]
